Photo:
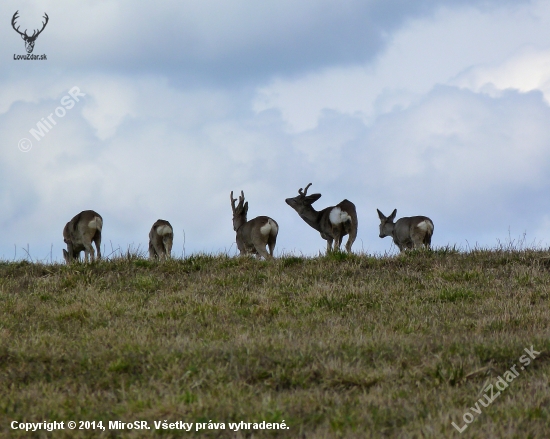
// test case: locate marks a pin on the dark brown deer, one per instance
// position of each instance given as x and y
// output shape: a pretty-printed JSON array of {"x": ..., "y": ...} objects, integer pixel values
[
  {"x": 29, "y": 40},
  {"x": 333, "y": 223},
  {"x": 253, "y": 235},
  {"x": 407, "y": 232},
  {"x": 161, "y": 238},
  {"x": 79, "y": 233}
]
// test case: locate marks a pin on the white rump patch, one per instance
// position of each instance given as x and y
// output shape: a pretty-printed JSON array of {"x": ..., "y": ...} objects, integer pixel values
[
  {"x": 425, "y": 226},
  {"x": 164, "y": 230},
  {"x": 338, "y": 216},
  {"x": 96, "y": 223},
  {"x": 266, "y": 228}
]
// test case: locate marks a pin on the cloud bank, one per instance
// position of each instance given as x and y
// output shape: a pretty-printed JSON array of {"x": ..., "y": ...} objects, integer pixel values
[{"x": 436, "y": 108}]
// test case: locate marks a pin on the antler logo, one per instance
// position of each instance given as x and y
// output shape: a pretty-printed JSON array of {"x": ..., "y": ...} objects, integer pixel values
[{"x": 29, "y": 40}]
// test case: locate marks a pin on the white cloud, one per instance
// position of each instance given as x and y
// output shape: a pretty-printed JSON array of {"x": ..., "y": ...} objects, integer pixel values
[
  {"x": 528, "y": 70},
  {"x": 415, "y": 129},
  {"x": 425, "y": 52},
  {"x": 110, "y": 102},
  {"x": 218, "y": 41},
  {"x": 455, "y": 155}
]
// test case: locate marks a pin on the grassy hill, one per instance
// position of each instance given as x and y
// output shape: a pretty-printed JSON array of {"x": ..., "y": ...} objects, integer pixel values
[{"x": 337, "y": 346}]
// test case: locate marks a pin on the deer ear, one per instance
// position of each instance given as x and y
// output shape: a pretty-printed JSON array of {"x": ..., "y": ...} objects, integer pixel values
[
  {"x": 392, "y": 216},
  {"x": 312, "y": 198},
  {"x": 381, "y": 215}
]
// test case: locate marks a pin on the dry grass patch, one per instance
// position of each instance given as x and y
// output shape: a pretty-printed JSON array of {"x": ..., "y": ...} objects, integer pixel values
[{"x": 340, "y": 346}]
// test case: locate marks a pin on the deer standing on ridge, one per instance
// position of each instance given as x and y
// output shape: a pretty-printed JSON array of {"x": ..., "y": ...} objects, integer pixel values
[
  {"x": 407, "y": 232},
  {"x": 253, "y": 235},
  {"x": 161, "y": 238},
  {"x": 79, "y": 233},
  {"x": 333, "y": 222}
]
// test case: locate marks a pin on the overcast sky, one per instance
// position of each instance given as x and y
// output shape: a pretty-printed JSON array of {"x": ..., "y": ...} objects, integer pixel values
[{"x": 433, "y": 107}]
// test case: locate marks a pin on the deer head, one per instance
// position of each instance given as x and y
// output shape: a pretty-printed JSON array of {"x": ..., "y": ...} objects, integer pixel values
[
  {"x": 386, "y": 223},
  {"x": 29, "y": 40},
  {"x": 303, "y": 201},
  {"x": 239, "y": 212}
]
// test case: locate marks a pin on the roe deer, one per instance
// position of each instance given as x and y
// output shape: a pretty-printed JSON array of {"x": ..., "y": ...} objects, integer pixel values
[
  {"x": 253, "y": 235},
  {"x": 333, "y": 222},
  {"x": 79, "y": 233},
  {"x": 407, "y": 232},
  {"x": 161, "y": 238}
]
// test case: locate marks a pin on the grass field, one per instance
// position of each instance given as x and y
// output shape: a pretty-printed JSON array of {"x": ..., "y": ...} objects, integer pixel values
[{"x": 336, "y": 346}]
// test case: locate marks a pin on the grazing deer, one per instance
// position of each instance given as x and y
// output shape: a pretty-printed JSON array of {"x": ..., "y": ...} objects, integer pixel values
[
  {"x": 333, "y": 222},
  {"x": 253, "y": 235},
  {"x": 79, "y": 233},
  {"x": 407, "y": 232},
  {"x": 161, "y": 238}
]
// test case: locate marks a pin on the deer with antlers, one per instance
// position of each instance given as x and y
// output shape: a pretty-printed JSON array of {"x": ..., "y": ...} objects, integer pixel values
[
  {"x": 333, "y": 223},
  {"x": 253, "y": 235},
  {"x": 29, "y": 40}
]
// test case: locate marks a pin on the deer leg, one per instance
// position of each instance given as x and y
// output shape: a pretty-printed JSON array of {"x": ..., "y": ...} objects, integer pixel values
[
  {"x": 417, "y": 240},
  {"x": 427, "y": 240},
  {"x": 349, "y": 244},
  {"x": 262, "y": 251},
  {"x": 337, "y": 242},
  {"x": 167, "y": 247},
  {"x": 161, "y": 251},
  {"x": 97, "y": 241},
  {"x": 351, "y": 238},
  {"x": 243, "y": 250},
  {"x": 257, "y": 246},
  {"x": 271, "y": 244},
  {"x": 329, "y": 245},
  {"x": 89, "y": 250},
  {"x": 157, "y": 247},
  {"x": 152, "y": 252}
]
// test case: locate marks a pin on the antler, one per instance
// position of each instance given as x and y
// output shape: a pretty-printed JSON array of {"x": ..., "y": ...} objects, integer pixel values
[
  {"x": 241, "y": 201},
  {"x": 15, "y": 17},
  {"x": 35, "y": 33},
  {"x": 232, "y": 201},
  {"x": 305, "y": 191},
  {"x": 43, "y": 26}
]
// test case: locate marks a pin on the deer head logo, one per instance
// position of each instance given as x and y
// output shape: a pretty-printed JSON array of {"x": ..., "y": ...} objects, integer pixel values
[{"x": 29, "y": 40}]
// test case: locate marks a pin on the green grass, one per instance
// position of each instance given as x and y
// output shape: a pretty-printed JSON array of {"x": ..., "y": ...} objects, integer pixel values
[{"x": 350, "y": 346}]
